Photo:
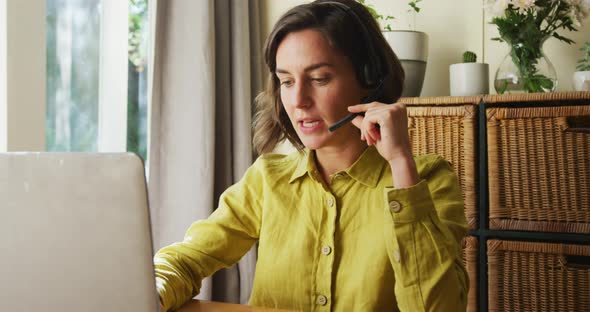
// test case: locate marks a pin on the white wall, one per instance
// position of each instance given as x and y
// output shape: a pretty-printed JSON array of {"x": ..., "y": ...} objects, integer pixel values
[
  {"x": 454, "y": 26},
  {"x": 22, "y": 94},
  {"x": 3, "y": 76}
]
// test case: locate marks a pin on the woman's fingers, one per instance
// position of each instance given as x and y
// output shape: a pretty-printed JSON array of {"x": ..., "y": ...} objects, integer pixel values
[
  {"x": 371, "y": 130},
  {"x": 376, "y": 133},
  {"x": 359, "y": 108},
  {"x": 368, "y": 125},
  {"x": 358, "y": 122}
]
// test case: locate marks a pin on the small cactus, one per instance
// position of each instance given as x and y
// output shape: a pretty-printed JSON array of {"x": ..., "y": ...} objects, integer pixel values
[{"x": 469, "y": 57}]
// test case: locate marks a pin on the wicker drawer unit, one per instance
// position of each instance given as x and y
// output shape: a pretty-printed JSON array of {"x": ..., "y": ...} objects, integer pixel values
[
  {"x": 447, "y": 126},
  {"x": 470, "y": 249},
  {"x": 527, "y": 202},
  {"x": 539, "y": 165},
  {"x": 529, "y": 276}
]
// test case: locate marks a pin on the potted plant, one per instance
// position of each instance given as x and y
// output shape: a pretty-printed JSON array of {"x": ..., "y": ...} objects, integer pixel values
[
  {"x": 410, "y": 46},
  {"x": 469, "y": 77},
  {"x": 582, "y": 75}
]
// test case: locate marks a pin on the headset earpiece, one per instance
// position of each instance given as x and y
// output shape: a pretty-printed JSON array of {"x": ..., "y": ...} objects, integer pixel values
[
  {"x": 372, "y": 72},
  {"x": 369, "y": 76}
]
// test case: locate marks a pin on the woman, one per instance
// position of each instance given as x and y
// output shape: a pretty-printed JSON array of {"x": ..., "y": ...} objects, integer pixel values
[{"x": 352, "y": 221}]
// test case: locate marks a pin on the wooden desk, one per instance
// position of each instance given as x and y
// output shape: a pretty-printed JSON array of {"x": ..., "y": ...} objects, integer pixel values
[{"x": 207, "y": 306}]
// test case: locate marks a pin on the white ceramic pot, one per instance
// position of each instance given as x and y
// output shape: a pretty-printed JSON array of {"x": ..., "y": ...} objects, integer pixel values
[
  {"x": 469, "y": 79},
  {"x": 582, "y": 80},
  {"x": 411, "y": 48}
]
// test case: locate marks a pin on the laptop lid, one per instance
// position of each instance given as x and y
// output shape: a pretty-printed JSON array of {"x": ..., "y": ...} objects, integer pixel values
[{"x": 75, "y": 233}]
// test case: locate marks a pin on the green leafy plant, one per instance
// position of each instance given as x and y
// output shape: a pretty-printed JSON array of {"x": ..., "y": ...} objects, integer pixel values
[
  {"x": 584, "y": 62},
  {"x": 469, "y": 57},
  {"x": 137, "y": 14},
  {"x": 385, "y": 20},
  {"x": 413, "y": 10},
  {"x": 136, "y": 107},
  {"x": 414, "y": 6}
]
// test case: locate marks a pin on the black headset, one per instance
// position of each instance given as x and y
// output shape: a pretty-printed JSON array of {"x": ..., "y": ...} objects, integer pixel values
[{"x": 374, "y": 71}]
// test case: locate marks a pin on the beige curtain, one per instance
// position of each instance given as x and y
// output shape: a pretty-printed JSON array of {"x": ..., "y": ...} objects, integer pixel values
[{"x": 205, "y": 74}]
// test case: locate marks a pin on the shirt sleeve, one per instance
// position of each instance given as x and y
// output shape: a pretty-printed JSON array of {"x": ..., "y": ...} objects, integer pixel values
[
  {"x": 424, "y": 227},
  {"x": 211, "y": 244}
]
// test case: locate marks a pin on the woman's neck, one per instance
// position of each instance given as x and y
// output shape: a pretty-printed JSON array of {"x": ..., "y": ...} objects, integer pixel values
[{"x": 330, "y": 160}]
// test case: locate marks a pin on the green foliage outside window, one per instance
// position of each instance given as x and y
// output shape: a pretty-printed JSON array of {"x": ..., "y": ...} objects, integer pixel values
[{"x": 137, "y": 79}]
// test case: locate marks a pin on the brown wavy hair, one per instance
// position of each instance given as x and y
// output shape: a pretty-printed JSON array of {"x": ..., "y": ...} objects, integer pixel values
[{"x": 343, "y": 32}]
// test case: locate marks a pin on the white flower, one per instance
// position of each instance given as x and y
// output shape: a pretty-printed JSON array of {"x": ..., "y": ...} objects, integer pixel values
[
  {"x": 578, "y": 12},
  {"x": 496, "y": 8},
  {"x": 523, "y": 5}
]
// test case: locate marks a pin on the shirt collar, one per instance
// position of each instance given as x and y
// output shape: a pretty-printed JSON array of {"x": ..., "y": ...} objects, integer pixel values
[
  {"x": 366, "y": 169},
  {"x": 305, "y": 165}
]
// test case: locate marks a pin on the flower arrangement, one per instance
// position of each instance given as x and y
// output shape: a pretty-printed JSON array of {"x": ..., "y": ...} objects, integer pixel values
[{"x": 525, "y": 25}]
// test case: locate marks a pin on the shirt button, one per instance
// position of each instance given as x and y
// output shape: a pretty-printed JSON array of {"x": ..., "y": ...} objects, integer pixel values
[
  {"x": 326, "y": 250},
  {"x": 322, "y": 300},
  {"x": 395, "y": 206},
  {"x": 330, "y": 202},
  {"x": 396, "y": 256},
  {"x": 338, "y": 176}
]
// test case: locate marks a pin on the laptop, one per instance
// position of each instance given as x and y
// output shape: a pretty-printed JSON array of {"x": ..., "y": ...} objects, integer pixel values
[{"x": 75, "y": 233}]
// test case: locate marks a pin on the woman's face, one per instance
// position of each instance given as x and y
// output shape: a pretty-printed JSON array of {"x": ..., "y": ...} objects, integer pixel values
[{"x": 317, "y": 85}]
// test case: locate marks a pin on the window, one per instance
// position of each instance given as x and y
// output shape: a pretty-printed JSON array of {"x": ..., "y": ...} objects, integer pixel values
[
  {"x": 90, "y": 56},
  {"x": 73, "y": 47},
  {"x": 137, "y": 109}
]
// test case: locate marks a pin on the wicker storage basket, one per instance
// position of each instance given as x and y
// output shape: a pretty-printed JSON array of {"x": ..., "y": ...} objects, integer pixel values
[
  {"x": 527, "y": 276},
  {"x": 470, "y": 250},
  {"x": 447, "y": 126},
  {"x": 539, "y": 165}
]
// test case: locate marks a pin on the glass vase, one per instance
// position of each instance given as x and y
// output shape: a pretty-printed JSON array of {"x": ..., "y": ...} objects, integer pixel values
[{"x": 526, "y": 69}]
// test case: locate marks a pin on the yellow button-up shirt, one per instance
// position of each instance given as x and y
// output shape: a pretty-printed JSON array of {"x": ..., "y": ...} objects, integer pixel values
[{"x": 357, "y": 245}]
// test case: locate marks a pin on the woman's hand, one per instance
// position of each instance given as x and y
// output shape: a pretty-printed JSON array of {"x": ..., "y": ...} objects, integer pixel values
[{"x": 386, "y": 127}]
